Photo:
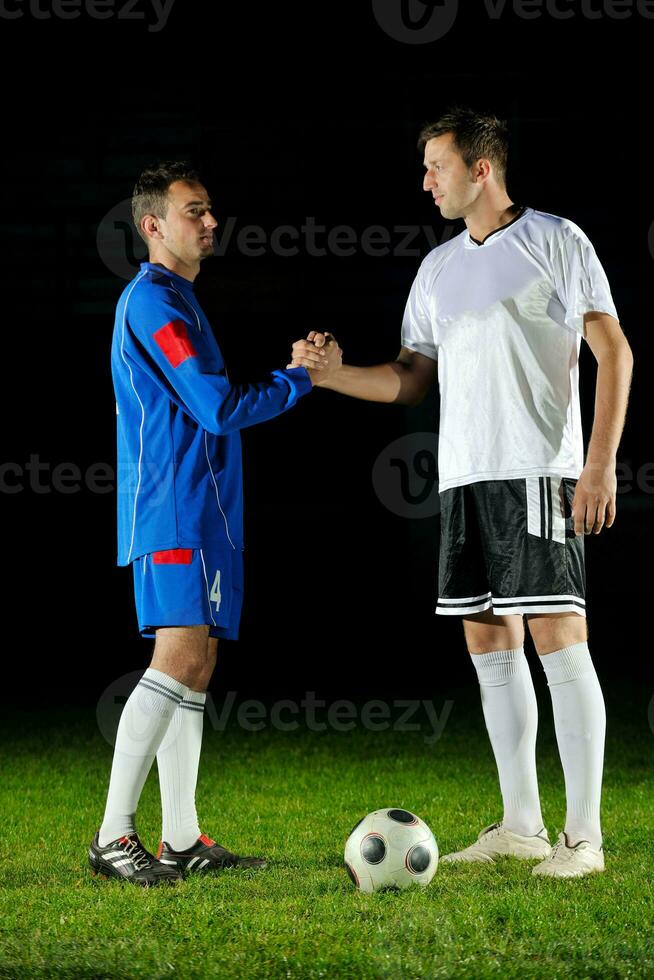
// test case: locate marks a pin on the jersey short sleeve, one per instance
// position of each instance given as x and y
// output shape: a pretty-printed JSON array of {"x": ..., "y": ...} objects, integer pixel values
[
  {"x": 579, "y": 278},
  {"x": 417, "y": 328}
]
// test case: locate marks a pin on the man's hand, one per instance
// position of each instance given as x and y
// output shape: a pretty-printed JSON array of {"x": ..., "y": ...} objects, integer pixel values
[
  {"x": 319, "y": 354},
  {"x": 593, "y": 506}
]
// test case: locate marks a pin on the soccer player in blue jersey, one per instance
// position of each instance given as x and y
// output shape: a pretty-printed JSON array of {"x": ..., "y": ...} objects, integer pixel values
[
  {"x": 180, "y": 520},
  {"x": 498, "y": 312}
]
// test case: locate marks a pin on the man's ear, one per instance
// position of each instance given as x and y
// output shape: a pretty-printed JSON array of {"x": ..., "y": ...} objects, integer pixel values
[{"x": 150, "y": 225}]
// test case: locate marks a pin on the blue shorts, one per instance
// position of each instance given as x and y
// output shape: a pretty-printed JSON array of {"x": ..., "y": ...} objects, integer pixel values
[{"x": 189, "y": 587}]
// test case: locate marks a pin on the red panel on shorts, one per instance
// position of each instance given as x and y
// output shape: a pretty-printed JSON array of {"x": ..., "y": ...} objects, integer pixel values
[
  {"x": 174, "y": 341},
  {"x": 176, "y": 556}
]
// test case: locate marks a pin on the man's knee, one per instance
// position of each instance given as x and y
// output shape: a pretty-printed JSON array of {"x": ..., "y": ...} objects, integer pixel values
[
  {"x": 181, "y": 651},
  {"x": 551, "y": 631},
  {"x": 486, "y": 632}
]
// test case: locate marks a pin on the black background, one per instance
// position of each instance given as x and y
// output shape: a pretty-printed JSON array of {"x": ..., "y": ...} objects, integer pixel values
[{"x": 294, "y": 113}]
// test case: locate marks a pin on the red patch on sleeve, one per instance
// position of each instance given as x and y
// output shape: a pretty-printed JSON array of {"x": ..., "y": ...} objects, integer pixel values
[
  {"x": 174, "y": 341},
  {"x": 175, "y": 556}
]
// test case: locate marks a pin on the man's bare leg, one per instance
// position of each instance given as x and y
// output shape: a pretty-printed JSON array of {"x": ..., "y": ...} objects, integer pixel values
[
  {"x": 551, "y": 631},
  {"x": 485, "y": 632},
  {"x": 185, "y": 652}
]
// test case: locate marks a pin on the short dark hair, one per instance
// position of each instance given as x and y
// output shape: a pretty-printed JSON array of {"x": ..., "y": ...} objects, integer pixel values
[
  {"x": 151, "y": 189},
  {"x": 476, "y": 135}
]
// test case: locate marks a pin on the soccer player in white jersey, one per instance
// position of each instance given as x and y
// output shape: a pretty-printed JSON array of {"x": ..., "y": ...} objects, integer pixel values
[{"x": 499, "y": 312}]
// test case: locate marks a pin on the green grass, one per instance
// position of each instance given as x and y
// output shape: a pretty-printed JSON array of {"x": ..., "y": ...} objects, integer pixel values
[{"x": 294, "y": 797}]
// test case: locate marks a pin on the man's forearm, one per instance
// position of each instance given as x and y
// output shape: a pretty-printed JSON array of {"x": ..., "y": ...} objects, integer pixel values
[
  {"x": 614, "y": 372},
  {"x": 392, "y": 382}
]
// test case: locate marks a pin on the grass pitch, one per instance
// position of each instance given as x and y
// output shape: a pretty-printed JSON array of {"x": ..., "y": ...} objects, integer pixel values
[{"x": 294, "y": 796}]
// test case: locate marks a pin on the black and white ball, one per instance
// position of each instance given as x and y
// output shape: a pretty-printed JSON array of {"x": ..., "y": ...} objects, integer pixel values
[{"x": 391, "y": 848}]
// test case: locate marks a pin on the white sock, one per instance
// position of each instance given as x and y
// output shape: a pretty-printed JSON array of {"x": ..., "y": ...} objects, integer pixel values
[
  {"x": 142, "y": 726},
  {"x": 580, "y": 725},
  {"x": 511, "y": 713},
  {"x": 178, "y": 760}
]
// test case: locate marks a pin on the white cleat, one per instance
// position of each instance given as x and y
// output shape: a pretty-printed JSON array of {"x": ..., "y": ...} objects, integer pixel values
[
  {"x": 571, "y": 862},
  {"x": 497, "y": 841}
]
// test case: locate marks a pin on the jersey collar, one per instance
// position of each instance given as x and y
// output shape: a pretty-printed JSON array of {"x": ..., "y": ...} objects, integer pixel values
[
  {"x": 177, "y": 279},
  {"x": 498, "y": 233}
]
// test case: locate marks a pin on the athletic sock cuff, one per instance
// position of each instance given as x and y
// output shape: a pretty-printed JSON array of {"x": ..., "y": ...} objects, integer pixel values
[
  {"x": 196, "y": 698},
  {"x": 157, "y": 680},
  {"x": 498, "y": 666},
  {"x": 567, "y": 664}
]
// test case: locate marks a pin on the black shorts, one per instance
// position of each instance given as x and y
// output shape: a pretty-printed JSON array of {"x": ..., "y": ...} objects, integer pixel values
[{"x": 510, "y": 546}]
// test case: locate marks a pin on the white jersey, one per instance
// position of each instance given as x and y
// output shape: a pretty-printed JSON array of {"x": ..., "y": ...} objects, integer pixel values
[{"x": 504, "y": 319}]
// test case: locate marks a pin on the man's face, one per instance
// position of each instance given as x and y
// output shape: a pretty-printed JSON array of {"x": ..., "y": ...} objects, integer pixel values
[
  {"x": 448, "y": 179},
  {"x": 189, "y": 225}
]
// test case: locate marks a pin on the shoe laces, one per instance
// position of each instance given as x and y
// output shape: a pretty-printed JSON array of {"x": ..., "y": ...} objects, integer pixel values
[
  {"x": 560, "y": 851},
  {"x": 492, "y": 831},
  {"x": 137, "y": 853}
]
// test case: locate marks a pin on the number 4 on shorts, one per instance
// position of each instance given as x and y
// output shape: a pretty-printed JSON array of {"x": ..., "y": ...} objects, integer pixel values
[{"x": 215, "y": 591}]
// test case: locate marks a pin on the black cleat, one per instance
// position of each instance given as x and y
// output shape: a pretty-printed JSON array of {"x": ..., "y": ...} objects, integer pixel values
[
  {"x": 205, "y": 855},
  {"x": 127, "y": 859}
]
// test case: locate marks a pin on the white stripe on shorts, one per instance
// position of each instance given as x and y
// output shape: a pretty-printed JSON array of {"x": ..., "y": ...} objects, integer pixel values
[
  {"x": 458, "y": 607},
  {"x": 546, "y": 502}
]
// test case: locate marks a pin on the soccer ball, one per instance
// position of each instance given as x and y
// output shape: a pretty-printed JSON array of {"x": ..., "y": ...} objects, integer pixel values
[{"x": 390, "y": 848}]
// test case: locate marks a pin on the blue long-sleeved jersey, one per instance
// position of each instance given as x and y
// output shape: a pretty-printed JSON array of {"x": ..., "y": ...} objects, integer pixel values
[{"x": 179, "y": 478}]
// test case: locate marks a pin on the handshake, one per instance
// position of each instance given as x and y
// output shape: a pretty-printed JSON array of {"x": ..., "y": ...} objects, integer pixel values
[{"x": 319, "y": 354}]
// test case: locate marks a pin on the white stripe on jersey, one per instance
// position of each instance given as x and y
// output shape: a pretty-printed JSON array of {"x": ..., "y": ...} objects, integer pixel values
[{"x": 137, "y": 280}]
